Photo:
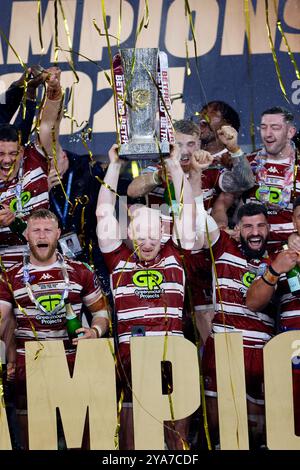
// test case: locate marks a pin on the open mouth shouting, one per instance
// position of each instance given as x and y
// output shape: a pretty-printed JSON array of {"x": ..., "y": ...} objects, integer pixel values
[
  {"x": 184, "y": 161},
  {"x": 6, "y": 170},
  {"x": 43, "y": 250},
  {"x": 255, "y": 243}
]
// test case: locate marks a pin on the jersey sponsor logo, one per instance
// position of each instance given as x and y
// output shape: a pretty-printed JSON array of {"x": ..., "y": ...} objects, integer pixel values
[
  {"x": 248, "y": 278},
  {"x": 149, "y": 278},
  {"x": 50, "y": 301},
  {"x": 46, "y": 276},
  {"x": 25, "y": 197},
  {"x": 274, "y": 194},
  {"x": 148, "y": 282}
]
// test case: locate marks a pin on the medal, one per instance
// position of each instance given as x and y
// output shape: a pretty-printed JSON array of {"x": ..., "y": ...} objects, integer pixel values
[{"x": 65, "y": 293}]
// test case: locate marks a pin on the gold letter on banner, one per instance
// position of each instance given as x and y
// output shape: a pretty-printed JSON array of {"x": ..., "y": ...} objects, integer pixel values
[
  {"x": 150, "y": 406},
  {"x": 205, "y": 25},
  {"x": 5, "y": 443},
  {"x": 292, "y": 19},
  {"x": 278, "y": 354},
  {"x": 49, "y": 386},
  {"x": 91, "y": 44},
  {"x": 24, "y": 30},
  {"x": 231, "y": 388},
  {"x": 149, "y": 37},
  {"x": 234, "y": 30}
]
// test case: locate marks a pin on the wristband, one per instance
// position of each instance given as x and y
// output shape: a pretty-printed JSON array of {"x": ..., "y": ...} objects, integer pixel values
[
  {"x": 238, "y": 153},
  {"x": 98, "y": 330},
  {"x": 268, "y": 276},
  {"x": 156, "y": 178},
  {"x": 272, "y": 271},
  {"x": 267, "y": 282}
]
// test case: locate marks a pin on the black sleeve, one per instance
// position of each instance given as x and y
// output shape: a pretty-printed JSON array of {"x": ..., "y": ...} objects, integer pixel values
[
  {"x": 24, "y": 125},
  {"x": 13, "y": 97}
]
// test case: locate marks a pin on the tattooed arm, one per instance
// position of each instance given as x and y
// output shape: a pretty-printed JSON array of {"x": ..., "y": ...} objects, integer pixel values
[{"x": 240, "y": 178}]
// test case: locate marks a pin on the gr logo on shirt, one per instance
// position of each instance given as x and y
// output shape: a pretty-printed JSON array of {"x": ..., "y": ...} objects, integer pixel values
[
  {"x": 25, "y": 197},
  {"x": 248, "y": 278},
  {"x": 49, "y": 302},
  {"x": 274, "y": 195},
  {"x": 148, "y": 283}
]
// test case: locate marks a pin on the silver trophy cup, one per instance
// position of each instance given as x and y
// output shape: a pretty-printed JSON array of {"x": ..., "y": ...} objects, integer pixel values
[{"x": 141, "y": 103}]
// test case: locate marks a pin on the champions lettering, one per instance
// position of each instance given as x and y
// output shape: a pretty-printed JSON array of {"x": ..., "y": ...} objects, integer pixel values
[{"x": 92, "y": 388}]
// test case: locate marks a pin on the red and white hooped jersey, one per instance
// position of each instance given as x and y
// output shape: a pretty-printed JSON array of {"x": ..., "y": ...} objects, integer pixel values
[
  {"x": 34, "y": 191},
  {"x": 280, "y": 221},
  {"x": 150, "y": 294},
  {"x": 235, "y": 274},
  {"x": 289, "y": 306},
  {"x": 47, "y": 286}
]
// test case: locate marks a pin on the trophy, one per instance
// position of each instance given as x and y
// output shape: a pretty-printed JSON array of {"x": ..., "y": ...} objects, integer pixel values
[{"x": 142, "y": 94}]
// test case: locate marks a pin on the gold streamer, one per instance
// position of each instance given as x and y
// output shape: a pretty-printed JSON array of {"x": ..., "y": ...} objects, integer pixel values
[
  {"x": 249, "y": 67},
  {"x": 188, "y": 13},
  {"x": 247, "y": 17},
  {"x": 119, "y": 23},
  {"x": 290, "y": 53},
  {"x": 71, "y": 60},
  {"x": 120, "y": 402},
  {"x": 24, "y": 97},
  {"x": 146, "y": 14},
  {"x": 188, "y": 68},
  {"x": 39, "y": 13},
  {"x": 223, "y": 320},
  {"x": 24, "y": 66},
  {"x": 111, "y": 67},
  {"x": 135, "y": 169},
  {"x": 297, "y": 155},
  {"x": 277, "y": 68},
  {"x": 56, "y": 33},
  {"x": 67, "y": 31}
]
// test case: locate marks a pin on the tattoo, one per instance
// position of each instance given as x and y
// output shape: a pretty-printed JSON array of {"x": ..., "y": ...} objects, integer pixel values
[{"x": 240, "y": 178}]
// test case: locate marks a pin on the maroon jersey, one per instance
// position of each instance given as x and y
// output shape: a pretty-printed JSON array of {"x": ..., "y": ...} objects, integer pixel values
[
  {"x": 34, "y": 191},
  {"x": 235, "y": 274},
  {"x": 289, "y": 306},
  {"x": 48, "y": 285},
  {"x": 147, "y": 294},
  {"x": 280, "y": 219},
  {"x": 210, "y": 187}
]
